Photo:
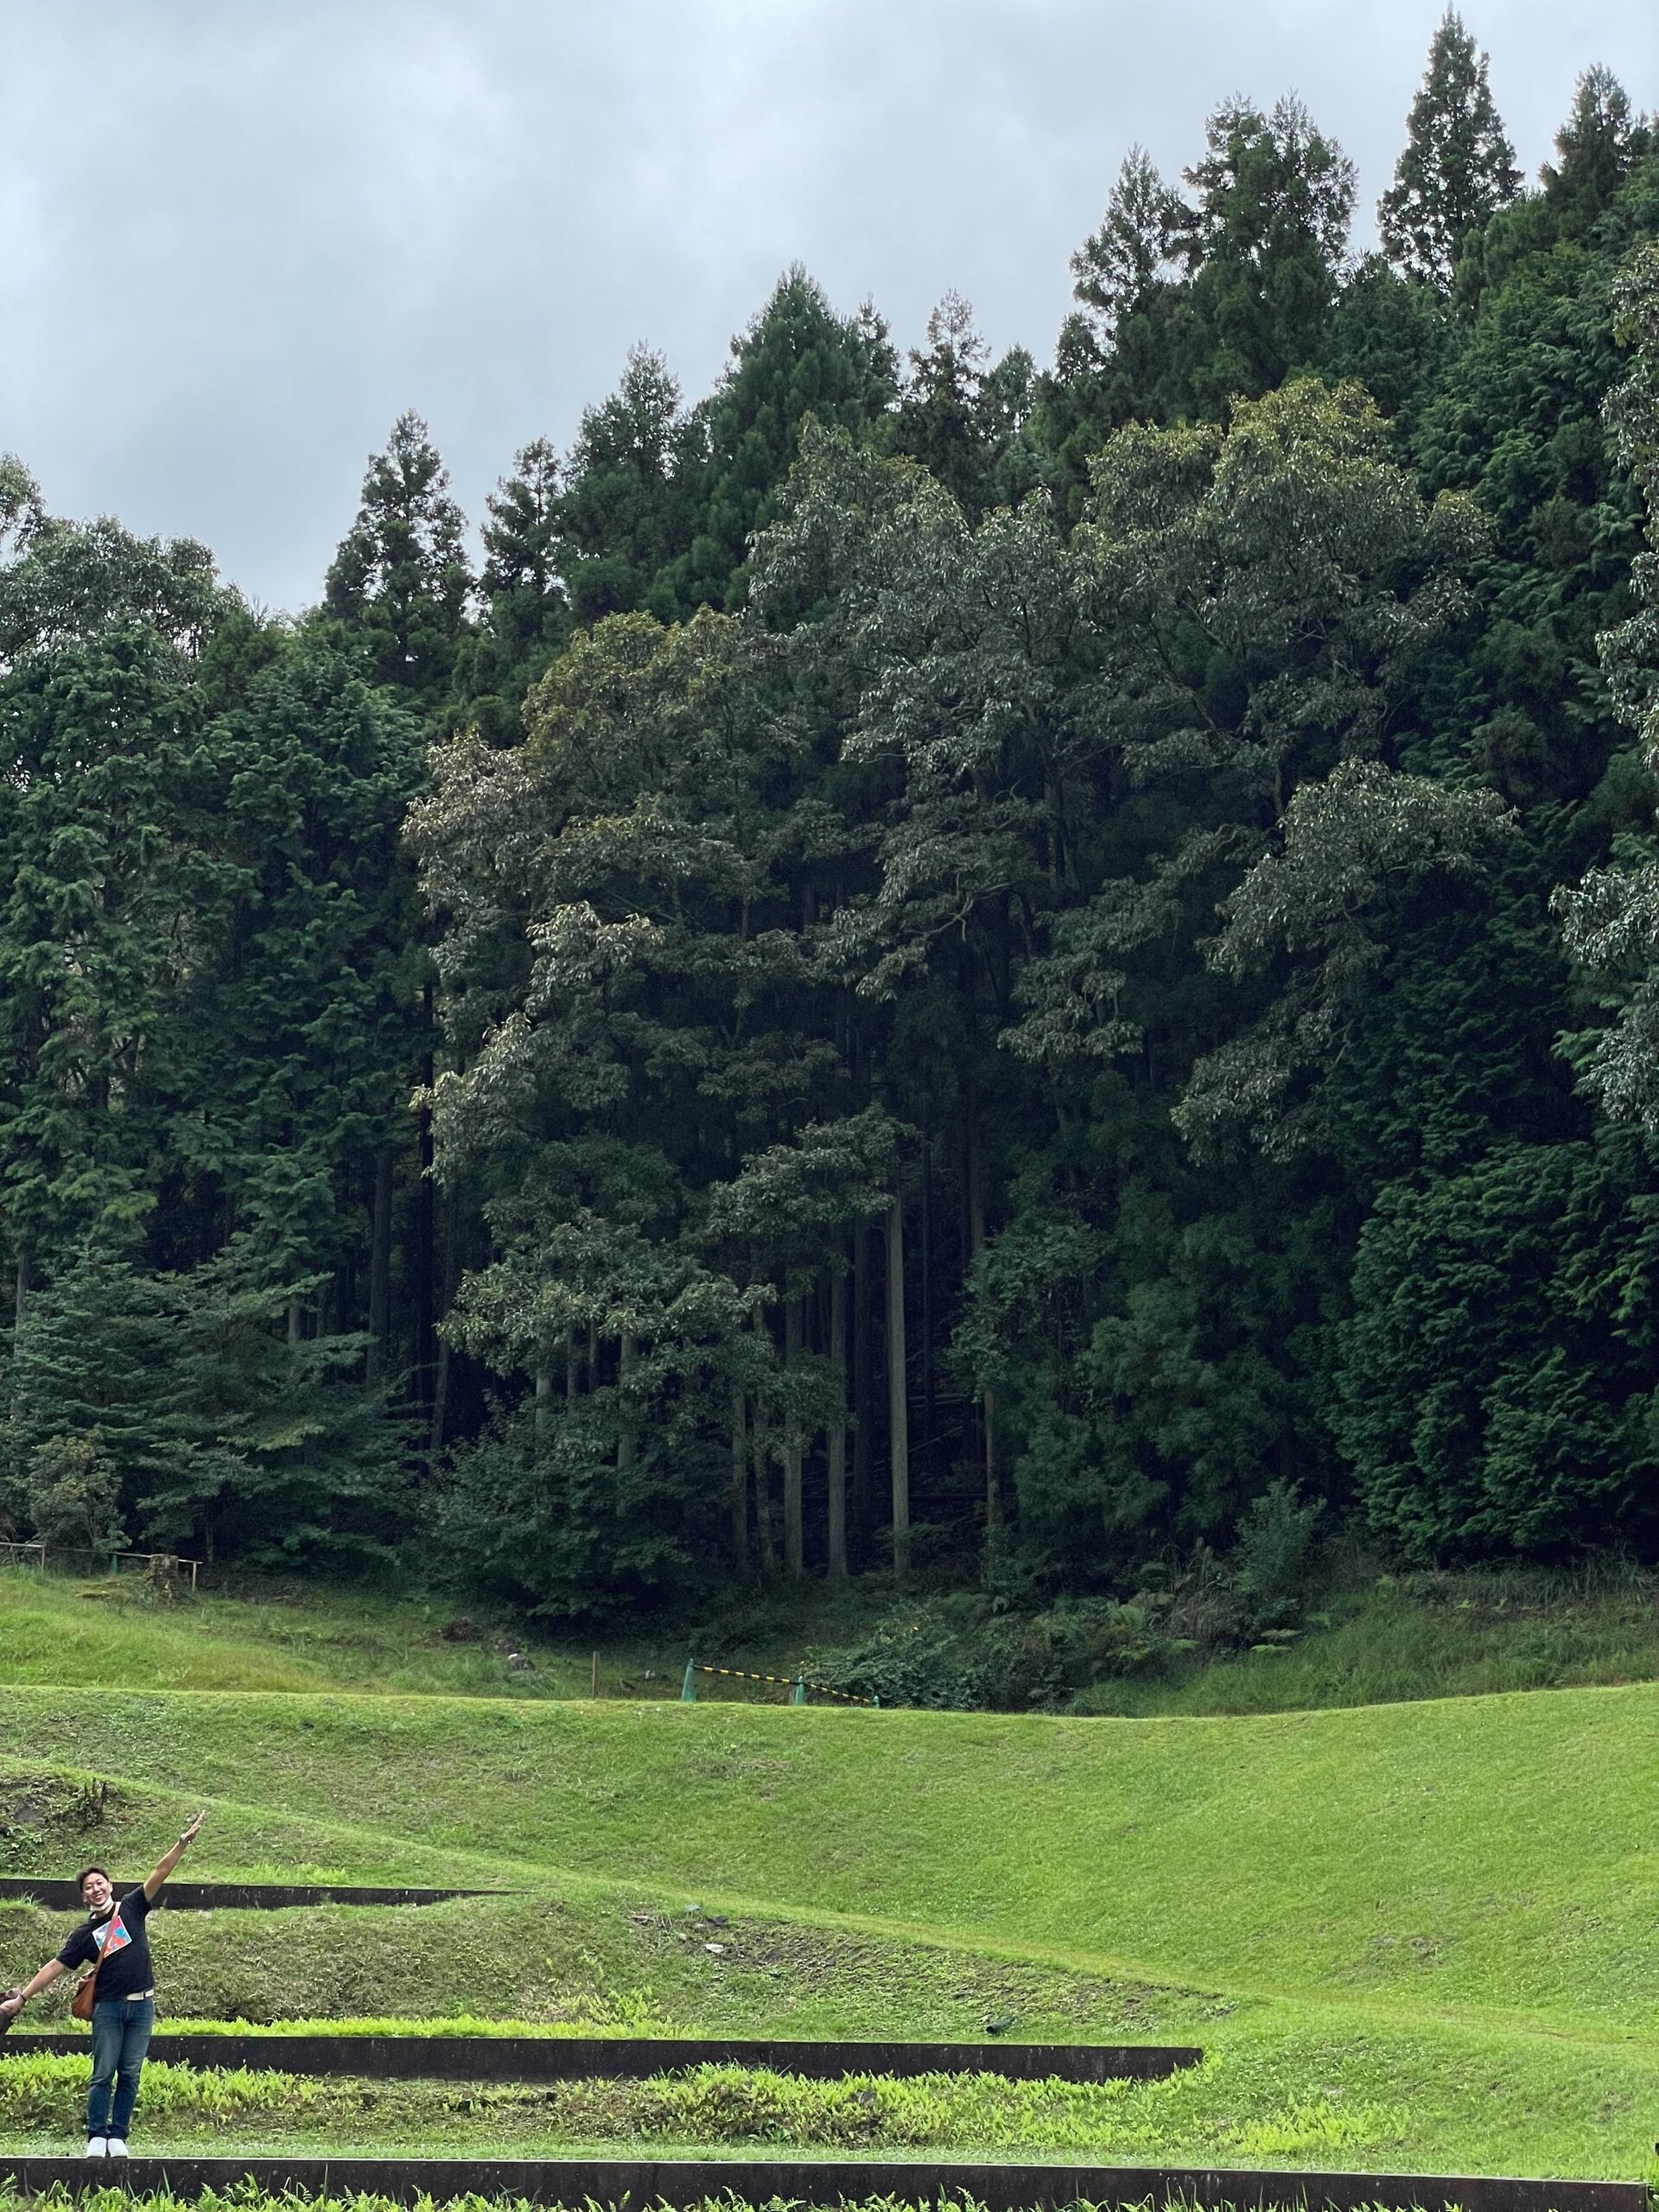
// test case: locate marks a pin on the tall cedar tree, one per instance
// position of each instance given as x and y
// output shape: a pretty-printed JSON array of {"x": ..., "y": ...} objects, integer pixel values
[
  {"x": 400, "y": 581},
  {"x": 1458, "y": 166}
]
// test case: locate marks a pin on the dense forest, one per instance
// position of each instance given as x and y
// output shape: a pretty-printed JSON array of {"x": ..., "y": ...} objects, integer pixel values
[{"x": 927, "y": 964}]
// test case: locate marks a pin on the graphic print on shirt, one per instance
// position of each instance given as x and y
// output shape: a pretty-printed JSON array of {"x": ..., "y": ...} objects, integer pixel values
[{"x": 112, "y": 1936}]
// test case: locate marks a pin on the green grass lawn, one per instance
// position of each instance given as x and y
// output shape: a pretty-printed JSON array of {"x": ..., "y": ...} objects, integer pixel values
[
  {"x": 1496, "y": 1853},
  {"x": 1382, "y": 1643},
  {"x": 1281, "y": 2096},
  {"x": 113, "y": 1632},
  {"x": 1429, "y": 1636},
  {"x": 1285, "y": 2086},
  {"x": 110, "y": 1631},
  {"x": 585, "y": 1959},
  {"x": 1417, "y": 1936}
]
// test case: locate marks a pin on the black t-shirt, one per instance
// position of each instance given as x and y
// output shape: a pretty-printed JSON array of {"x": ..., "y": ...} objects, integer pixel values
[{"x": 128, "y": 1968}]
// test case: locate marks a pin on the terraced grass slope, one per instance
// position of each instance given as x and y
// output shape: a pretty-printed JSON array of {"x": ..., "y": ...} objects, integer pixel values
[
  {"x": 1489, "y": 1853},
  {"x": 1284, "y": 2082},
  {"x": 1411, "y": 1935}
]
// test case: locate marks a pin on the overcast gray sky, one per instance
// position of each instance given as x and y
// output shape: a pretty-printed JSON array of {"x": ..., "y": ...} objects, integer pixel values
[{"x": 241, "y": 235}]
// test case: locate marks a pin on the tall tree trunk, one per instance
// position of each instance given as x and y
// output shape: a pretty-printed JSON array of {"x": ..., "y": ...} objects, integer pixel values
[
  {"x": 426, "y": 1233},
  {"x": 625, "y": 1430},
  {"x": 977, "y": 1245},
  {"x": 863, "y": 1378},
  {"x": 898, "y": 1391},
  {"x": 572, "y": 1368},
  {"x": 740, "y": 1483},
  {"x": 925, "y": 1271},
  {"x": 794, "y": 1451},
  {"x": 380, "y": 1267},
  {"x": 763, "y": 1493},
  {"x": 837, "y": 1447},
  {"x": 543, "y": 1406},
  {"x": 446, "y": 1298}
]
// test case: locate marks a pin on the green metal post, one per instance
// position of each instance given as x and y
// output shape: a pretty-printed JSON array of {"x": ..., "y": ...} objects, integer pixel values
[
  {"x": 689, "y": 1686},
  {"x": 799, "y": 1697}
]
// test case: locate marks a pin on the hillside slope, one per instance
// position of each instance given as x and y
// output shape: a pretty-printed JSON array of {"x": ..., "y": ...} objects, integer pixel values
[{"x": 1490, "y": 1853}]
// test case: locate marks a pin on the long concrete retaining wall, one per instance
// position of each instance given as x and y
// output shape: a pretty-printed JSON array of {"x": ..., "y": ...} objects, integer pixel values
[
  {"x": 634, "y": 2185},
  {"x": 568, "y": 2058},
  {"x": 233, "y": 1897}
]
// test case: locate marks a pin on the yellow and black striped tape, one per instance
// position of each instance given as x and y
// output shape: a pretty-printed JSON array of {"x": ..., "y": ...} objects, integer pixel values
[{"x": 785, "y": 1681}]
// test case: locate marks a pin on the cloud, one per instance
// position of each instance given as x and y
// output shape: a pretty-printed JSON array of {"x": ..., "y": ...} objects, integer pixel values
[{"x": 239, "y": 238}]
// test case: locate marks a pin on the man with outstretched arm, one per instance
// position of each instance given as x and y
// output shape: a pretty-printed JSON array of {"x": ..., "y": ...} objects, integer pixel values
[{"x": 114, "y": 1939}]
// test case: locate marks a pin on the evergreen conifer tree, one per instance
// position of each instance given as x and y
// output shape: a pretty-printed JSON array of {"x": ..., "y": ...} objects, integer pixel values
[
  {"x": 629, "y": 495},
  {"x": 400, "y": 580},
  {"x": 526, "y": 617},
  {"x": 1457, "y": 168},
  {"x": 94, "y": 1359},
  {"x": 940, "y": 420},
  {"x": 1594, "y": 149},
  {"x": 1264, "y": 241},
  {"x": 797, "y": 358}
]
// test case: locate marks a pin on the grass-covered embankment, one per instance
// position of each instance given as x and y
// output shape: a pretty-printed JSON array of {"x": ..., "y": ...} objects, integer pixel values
[
  {"x": 1385, "y": 1641},
  {"x": 1281, "y": 2094},
  {"x": 1424, "y": 1635},
  {"x": 109, "y": 1631},
  {"x": 1413, "y": 1935},
  {"x": 1487, "y": 1853},
  {"x": 590, "y": 1959}
]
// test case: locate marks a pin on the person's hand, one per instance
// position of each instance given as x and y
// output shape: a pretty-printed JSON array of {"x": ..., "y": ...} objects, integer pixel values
[
  {"x": 11, "y": 2007},
  {"x": 193, "y": 1830}
]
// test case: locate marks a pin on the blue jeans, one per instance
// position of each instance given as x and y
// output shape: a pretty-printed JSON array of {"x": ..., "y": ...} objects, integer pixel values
[{"x": 120, "y": 2038}]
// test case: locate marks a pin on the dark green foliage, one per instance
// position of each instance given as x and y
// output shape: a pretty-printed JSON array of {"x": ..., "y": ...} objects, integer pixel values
[
  {"x": 1457, "y": 168},
  {"x": 1391, "y": 334},
  {"x": 627, "y": 514},
  {"x": 660, "y": 503},
  {"x": 306, "y": 1029},
  {"x": 1268, "y": 1570},
  {"x": 553, "y": 1528},
  {"x": 1611, "y": 916},
  {"x": 1265, "y": 240},
  {"x": 526, "y": 613},
  {"x": 291, "y": 1460},
  {"x": 944, "y": 944},
  {"x": 72, "y": 1494},
  {"x": 1187, "y": 304},
  {"x": 797, "y": 358},
  {"x": 1497, "y": 1378},
  {"x": 93, "y": 1365},
  {"x": 106, "y": 860},
  {"x": 915, "y": 1657},
  {"x": 969, "y": 425},
  {"x": 400, "y": 581},
  {"x": 1518, "y": 421},
  {"x": 1595, "y": 150},
  {"x": 192, "y": 1409}
]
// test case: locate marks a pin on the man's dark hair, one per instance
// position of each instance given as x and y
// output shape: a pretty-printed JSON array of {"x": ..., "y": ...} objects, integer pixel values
[{"x": 85, "y": 1870}]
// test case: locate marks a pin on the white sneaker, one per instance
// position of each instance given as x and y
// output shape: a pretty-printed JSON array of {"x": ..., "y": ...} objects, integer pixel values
[
  {"x": 118, "y": 2147},
  {"x": 97, "y": 2146}
]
